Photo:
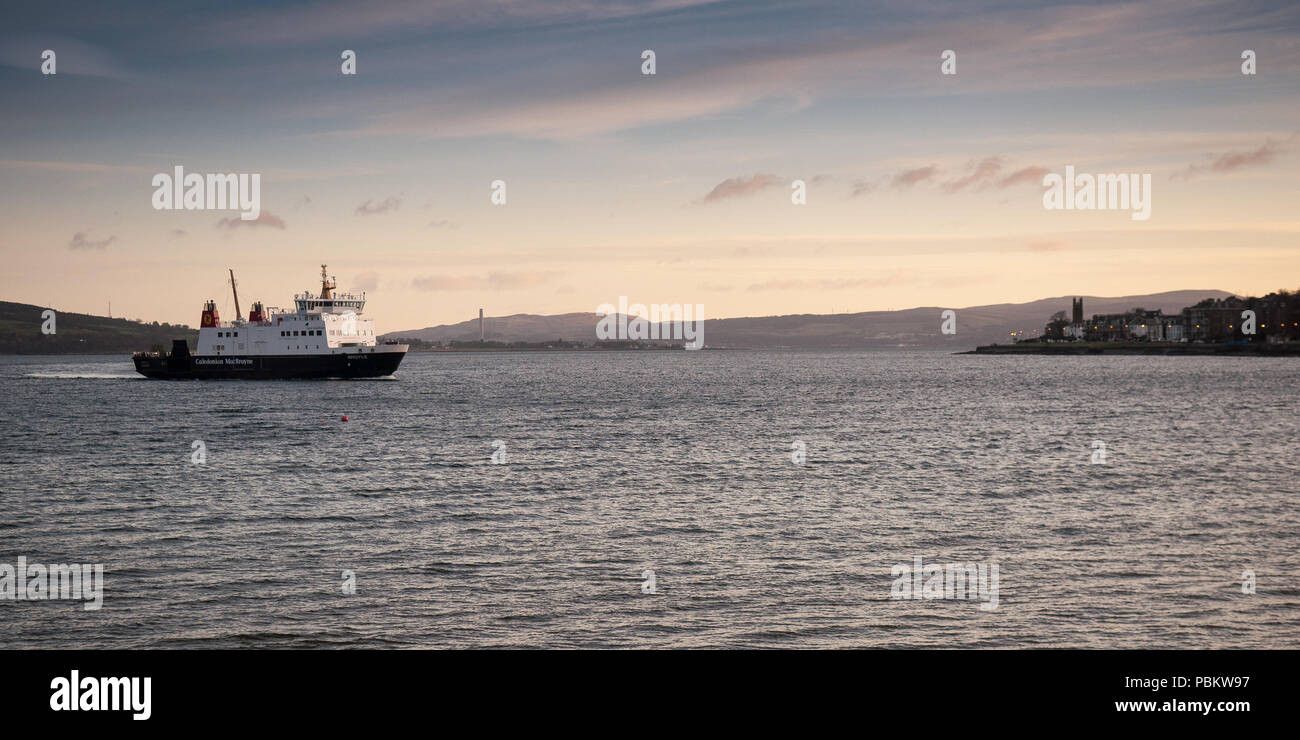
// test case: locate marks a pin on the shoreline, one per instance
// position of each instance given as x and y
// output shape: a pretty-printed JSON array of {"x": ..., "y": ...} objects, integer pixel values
[{"x": 1139, "y": 348}]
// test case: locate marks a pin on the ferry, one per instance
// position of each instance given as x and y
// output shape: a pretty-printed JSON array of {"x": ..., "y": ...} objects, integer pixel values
[{"x": 323, "y": 337}]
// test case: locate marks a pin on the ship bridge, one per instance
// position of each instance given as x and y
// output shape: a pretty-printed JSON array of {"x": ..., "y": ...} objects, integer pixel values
[
  {"x": 308, "y": 303},
  {"x": 328, "y": 301}
]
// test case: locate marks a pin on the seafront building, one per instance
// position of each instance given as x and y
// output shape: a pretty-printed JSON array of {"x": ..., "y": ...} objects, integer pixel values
[{"x": 1277, "y": 319}]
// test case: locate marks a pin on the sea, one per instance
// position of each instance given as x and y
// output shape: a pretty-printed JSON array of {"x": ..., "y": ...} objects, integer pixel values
[{"x": 660, "y": 499}]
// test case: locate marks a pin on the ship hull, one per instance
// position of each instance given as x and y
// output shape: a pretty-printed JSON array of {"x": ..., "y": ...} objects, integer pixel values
[{"x": 270, "y": 367}]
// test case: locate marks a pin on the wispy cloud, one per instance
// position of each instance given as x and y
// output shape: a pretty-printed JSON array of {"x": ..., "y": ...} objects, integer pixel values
[
  {"x": 384, "y": 206},
  {"x": 265, "y": 218},
  {"x": 1028, "y": 174},
  {"x": 1233, "y": 161},
  {"x": 72, "y": 56},
  {"x": 327, "y": 21},
  {"x": 908, "y": 178},
  {"x": 81, "y": 241},
  {"x": 861, "y": 187},
  {"x": 980, "y": 174},
  {"x": 737, "y": 187}
]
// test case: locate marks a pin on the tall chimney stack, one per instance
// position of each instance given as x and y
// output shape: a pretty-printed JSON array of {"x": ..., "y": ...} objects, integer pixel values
[{"x": 482, "y": 332}]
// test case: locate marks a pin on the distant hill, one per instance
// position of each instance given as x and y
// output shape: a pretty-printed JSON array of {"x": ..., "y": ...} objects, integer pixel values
[
  {"x": 913, "y": 327},
  {"x": 76, "y": 333}
]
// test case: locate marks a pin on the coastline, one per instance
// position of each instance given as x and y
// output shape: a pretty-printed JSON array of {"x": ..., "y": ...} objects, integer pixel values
[{"x": 1290, "y": 349}]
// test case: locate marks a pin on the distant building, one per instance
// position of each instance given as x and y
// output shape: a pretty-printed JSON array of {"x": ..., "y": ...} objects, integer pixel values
[
  {"x": 1214, "y": 320},
  {"x": 1277, "y": 319}
]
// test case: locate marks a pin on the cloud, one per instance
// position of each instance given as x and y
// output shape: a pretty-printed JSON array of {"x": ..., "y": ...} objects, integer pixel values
[
  {"x": 1028, "y": 174},
  {"x": 80, "y": 241},
  {"x": 266, "y": 218},
  {"x": 498, "y": 280},
  {"x": 737, "y": 187},
  {"x": 908, "y": 178},
  {"x": 980, "y": 174},
  {"x": 861, "y": 187},
  {"x": 1235, "y": 160},
  {"x": 384, "y": 206},
  {"x": 443, "y": 224},
  {"x": 1079, "y": 44},
  {"x": 178, "y": 233}
]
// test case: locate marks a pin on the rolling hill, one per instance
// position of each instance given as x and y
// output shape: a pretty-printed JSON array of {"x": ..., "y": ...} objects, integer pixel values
[
  {"x": 913, "y": 327},
  {"x": 77, "y": 333}
]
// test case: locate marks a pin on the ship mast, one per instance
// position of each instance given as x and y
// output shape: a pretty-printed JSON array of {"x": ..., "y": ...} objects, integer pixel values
[
  {"x": 235, "y": 292},
  {"x": 325, "y": 285}
]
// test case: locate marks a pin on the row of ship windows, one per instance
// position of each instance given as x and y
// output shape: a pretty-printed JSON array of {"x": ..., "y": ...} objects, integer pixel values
[
  {"x": 222, "y": 347},
  {"x": 316, "y": 333},
  {"x": 308, "y": 333}
]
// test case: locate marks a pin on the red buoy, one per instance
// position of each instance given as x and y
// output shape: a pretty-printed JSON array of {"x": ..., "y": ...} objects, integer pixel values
[{"x": 345, "y": 418}]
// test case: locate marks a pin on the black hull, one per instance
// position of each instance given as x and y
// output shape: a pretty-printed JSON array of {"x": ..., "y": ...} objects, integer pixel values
[{"x": 270, "y": 367}]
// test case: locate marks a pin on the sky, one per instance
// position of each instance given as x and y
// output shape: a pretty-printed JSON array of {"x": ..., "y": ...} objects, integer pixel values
[{"x": 922, "y": 188}]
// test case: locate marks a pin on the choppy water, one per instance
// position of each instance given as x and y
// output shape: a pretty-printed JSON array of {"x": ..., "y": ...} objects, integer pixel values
[{"x": 675, "y": 462}]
